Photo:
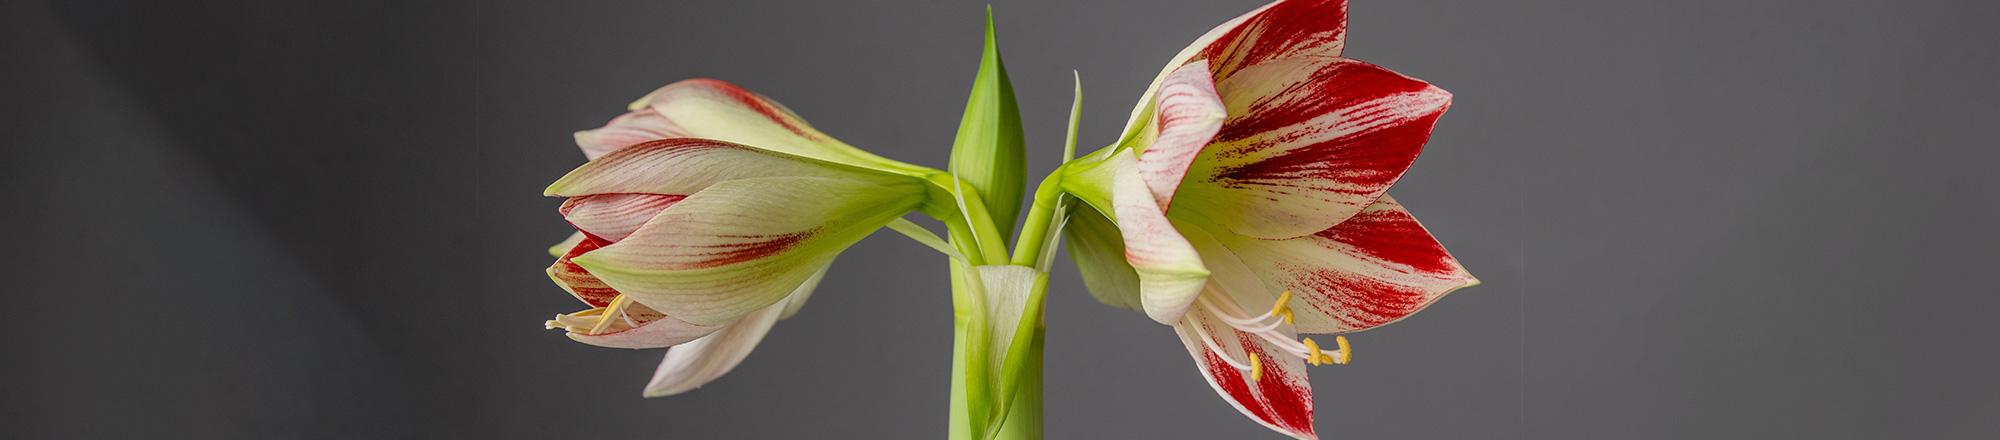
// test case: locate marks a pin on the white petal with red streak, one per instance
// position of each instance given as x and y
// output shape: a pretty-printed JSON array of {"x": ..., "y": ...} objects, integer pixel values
[
  {"x": 1281, "y": 399},
  {"x": 1189, "y": 114},
  {"x": 658, "y": 332},
  {"x": 742, "y": 245},
  {"x": 631, "y": 128},
  {"x": 1310, "y": 142},
  {"x": 1280, "y": 29},
  {"x": 614, "y": 216},
  {"x": 1378, "y": 267},
  {"x": 715, "y": 109},
  {"x": 687, "y": 165},
  {"x": 1170, "y": 271}
]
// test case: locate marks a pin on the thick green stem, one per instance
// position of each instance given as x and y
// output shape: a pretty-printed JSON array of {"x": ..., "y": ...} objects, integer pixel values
[{"x": 969, "y": 380}]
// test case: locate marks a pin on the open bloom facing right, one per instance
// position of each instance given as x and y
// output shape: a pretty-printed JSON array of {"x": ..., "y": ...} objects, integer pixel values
[{"x": 1247, "y": 202}]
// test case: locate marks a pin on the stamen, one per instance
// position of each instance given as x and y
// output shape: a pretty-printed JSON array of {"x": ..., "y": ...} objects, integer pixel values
[
  {"x": 1202, "y": 333},
  {"x": 616, "y": 308},
  {"x": 1256, "y": 369},
  {"x": 1284, "y": 306},
  {"x": 1312, "y": 352},
  {"x": 1346, "y": 354}
]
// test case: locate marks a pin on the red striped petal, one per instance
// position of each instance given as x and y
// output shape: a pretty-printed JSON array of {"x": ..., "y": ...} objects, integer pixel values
[
  {"x": 688, "y": 165},
  {"x": 741, "y": 245},
  {"x": 1282, "y": 29},
  {"x": 1281, "y": 399},
  {"x": 1189, "y": 114},
  {"x": 1378, "y": 267},
  {"x": 578, "y": 281},
  {"x": 1310, "y": 142},
  {"x": 612, "y": 217}
]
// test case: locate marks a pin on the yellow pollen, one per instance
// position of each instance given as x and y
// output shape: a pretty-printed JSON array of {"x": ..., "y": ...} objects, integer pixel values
[
  {"x": 1256, "y": 369},
  {"x": 1284, "y": 306},
  {"x": 1346, "y": 354},
  {"x": 1312, "y": 352}
]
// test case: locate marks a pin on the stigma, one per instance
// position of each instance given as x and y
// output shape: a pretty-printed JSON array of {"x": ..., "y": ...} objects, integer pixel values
[{"x": 1266, "y": 326}]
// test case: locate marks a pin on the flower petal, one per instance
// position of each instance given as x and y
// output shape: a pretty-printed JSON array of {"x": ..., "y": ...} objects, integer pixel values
[
  {"x": 631, "y": 128},
  {"x": 1280, "y": 398},
  {"x": 563, "y": 247},
  {"x": 1310, "y": 142},
  {"x": 1377, "y": 267},
  {"x": 652, "y": 330},
  {"x": 578, "y": 281},
  {"x": 687, "y": 165},
  {"x": 1170, "y": 271},
  {"x": 611, "y": 217},
  {"x": 1281, "y": 29},
  {"x": 804, "y": 291},
  {"x": 715, "y": 109},
  {"x": 742, "y": 245},
  {"x": 640, "y": 326},
  {"x": 691, "y": 365},
  {"x": 1189, "y": 115},
  {"x": 1099, "y": 252}
]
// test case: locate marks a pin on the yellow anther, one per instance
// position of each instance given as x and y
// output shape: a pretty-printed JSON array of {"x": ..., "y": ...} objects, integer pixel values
[
  {"x": 1284, "y": 306},
  {"x": 1346, "y": 353},
  {"x": 1312, "y": 352},
  {"x": 1256, "y": 369}
]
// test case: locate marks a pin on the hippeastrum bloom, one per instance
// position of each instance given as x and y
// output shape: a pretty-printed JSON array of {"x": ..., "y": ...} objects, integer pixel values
[
  {"x": 1247, "y": 203},
  {"x": 705, "y": 215}
]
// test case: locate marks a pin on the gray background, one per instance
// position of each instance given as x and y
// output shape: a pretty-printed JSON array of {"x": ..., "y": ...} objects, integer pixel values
[{"x": 1695, "y": 219}]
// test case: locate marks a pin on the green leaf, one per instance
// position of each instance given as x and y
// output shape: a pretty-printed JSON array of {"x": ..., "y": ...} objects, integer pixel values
[{"x": 988, "y": 151}]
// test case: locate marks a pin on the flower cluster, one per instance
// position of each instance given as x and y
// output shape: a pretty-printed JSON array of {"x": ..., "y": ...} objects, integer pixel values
[{"x": 1245, "y": 205}]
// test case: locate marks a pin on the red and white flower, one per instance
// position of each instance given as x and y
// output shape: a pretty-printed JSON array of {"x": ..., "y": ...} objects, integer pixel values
[
  {"x": 1247, "y": 203},
  {"x": 705, "y": 215}
]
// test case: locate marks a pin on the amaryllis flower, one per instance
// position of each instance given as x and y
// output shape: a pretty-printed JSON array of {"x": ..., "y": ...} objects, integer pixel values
[
  {"x": 705, "y": 215},
  {"x": 1247, "y": 203}
]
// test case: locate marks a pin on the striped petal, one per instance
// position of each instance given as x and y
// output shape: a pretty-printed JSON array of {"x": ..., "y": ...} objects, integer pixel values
[
  {"x": 646, "y": 329},
  {"x": 1189, "y": 115},
  {"x": 742, "y": 245},
  {"x": 563, "y": 247},
  {"x": 631, "y": 128},
  {"x": 1310, "y": 142},
  {"x": 1280, "y": 29},
  {"x": 714, "y": 109},
  {"x": 688, "y": 165},
  {"x": 578, "y": 281},
  {"x": 612, "y": 217},
  {"x": 1280, "y": 397},
  {"x": 1377, "y": 267},
  {"x": 1169, "y": 270},
  {"x": 697, "y": 363},
  {"x": 636, "y": 326}
]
